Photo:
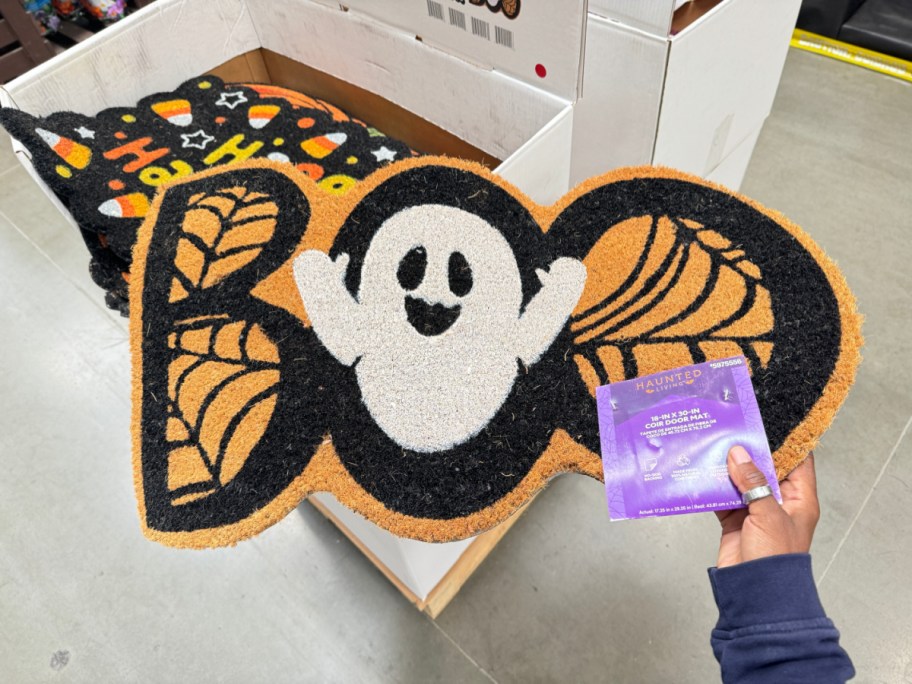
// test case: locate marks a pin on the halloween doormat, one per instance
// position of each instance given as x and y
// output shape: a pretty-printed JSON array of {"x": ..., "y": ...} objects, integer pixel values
[
  {"x": 427, "y": 347},
  {"x": 106, "y": 169}
]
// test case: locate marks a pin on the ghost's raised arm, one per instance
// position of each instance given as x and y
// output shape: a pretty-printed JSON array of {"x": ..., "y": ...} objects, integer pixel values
[
  {"x": 333, "y": 312},
  {"x": 546, "y": 314}
]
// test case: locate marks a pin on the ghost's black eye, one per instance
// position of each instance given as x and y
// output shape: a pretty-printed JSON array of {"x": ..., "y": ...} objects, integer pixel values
[
  {"x": 460, "y": 275},
  {"x": 412, "y": 268}
]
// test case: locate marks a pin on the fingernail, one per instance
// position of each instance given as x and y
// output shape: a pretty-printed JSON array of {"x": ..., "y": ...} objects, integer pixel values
[{"x": 739, "y": 455}]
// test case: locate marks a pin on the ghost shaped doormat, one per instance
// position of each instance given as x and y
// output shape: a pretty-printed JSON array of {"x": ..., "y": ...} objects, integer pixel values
[{"x": 427, "y": 347}]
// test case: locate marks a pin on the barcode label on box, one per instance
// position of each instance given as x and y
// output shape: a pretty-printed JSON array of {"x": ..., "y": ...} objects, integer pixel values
[
  {"x": 481, "y": 28},
  {"x": 457, "y": 18},
  {"x": 503, "y": 37},
  {"x": 435, "y": 9}
]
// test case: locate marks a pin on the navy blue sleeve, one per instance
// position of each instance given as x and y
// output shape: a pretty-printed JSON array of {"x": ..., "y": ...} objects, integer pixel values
[{"x": 772, "y": 628}]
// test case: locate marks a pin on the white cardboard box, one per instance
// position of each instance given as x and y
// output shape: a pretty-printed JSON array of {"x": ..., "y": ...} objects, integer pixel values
[
  {"x": 730, "y": 171},
  {"x": 486, "y": 93},
  {"x": 542, "y": 45},
  {"x": 512, "y": 119},
  {"x": 688, "y": 101},
  {"x": 652, "y": 16}
]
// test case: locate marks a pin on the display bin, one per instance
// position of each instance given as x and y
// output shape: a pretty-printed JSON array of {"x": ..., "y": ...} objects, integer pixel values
[
  {"x": 695, "y": 100},
  {"x": 473, "y": 84}
]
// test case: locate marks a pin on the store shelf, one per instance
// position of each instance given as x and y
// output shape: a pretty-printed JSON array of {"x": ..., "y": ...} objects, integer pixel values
[{"x": 22, "y": 46}]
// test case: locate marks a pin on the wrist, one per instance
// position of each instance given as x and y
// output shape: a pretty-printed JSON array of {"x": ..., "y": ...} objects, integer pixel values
[{"x": 776, "y": 588}]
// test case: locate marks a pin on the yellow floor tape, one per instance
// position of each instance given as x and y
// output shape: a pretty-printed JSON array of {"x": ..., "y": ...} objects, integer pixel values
[{"x": 875, "y": 61}]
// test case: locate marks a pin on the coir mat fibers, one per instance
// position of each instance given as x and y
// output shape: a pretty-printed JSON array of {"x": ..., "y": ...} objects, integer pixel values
[
  {"x": 426, "y": 347},
  {"x": 106, "y": 168}
]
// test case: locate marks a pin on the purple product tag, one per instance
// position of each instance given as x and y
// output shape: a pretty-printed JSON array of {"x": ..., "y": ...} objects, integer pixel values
[{"x": 665, "y": 438}]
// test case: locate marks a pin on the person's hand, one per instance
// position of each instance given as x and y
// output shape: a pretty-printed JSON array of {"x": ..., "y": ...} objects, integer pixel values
[{"x": 766, "y": 528}]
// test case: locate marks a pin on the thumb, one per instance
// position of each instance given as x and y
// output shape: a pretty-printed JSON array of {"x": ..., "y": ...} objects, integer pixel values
[{"x": 746, "y": 476}]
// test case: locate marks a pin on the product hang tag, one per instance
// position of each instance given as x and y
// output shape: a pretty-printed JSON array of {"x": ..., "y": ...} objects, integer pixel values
[{"x": 665, "y": 439}]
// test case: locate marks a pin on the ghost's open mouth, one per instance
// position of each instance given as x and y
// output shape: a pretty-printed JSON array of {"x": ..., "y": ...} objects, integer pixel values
[{"x": 430, "y": 319}]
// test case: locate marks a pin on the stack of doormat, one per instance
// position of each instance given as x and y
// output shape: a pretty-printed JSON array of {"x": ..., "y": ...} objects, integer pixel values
[
  {"x": 427, "y": 346},
  {"x": 106, "y": 168}
]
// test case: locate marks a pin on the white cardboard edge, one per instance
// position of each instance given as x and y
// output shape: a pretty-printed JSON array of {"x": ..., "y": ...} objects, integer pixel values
[
  {"x": 731, "y": 171},
  {"x": 157, "y": 42},
  {"x": 693, "y": 26},
  {"x": 25, "y": 159},
  {"x": 541, "y": 167},
  {"x": 418, "y": 565},
  {"x": 720, "y": 82},
  {"x": 421, "y": 78},
  {"x": 686, "y": 101},
  {"x": 616, "y": 118},
  {"x": 77, "y": 51},
  {"x": 652, "y": 16}
]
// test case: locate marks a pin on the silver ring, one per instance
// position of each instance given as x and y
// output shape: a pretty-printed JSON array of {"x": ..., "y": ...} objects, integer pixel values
[{"x": 756, "y": 493}]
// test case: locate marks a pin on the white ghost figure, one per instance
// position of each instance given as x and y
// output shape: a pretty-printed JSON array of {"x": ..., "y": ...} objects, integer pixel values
[{"x": 436, "y": 329}]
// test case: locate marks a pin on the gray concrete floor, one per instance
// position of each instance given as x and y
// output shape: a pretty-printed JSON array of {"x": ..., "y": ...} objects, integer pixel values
[{"x": 565, "y": 597}]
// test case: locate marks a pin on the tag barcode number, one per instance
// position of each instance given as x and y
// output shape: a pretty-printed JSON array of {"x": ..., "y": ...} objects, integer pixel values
[
  {"x": 435, "y": 9},
  {"x": 457, "y": 18},
  {"x": 481, "y": 28},
  {"x": 503, "y": 37}
]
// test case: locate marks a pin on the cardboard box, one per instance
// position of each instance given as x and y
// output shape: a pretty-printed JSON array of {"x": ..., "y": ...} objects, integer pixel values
[
  {"x": 523, "y": 121},
  {"x": 731, "y": 170},
  {"x": 688, "y": 101},
  {"x": 473, "y": 92},
  {"x": 541, "y": 45},
  {"x": 417, "y": 568},
  {"x": 651, "y": 16}
]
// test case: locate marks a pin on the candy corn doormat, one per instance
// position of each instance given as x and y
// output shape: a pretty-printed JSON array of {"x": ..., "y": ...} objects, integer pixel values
[
  {"x": 426, "y": 347},
  {"x": 106, "y": 168}
]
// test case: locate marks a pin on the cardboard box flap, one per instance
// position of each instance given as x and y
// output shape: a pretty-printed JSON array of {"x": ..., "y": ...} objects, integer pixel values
[
  {"x": 165, "y": 44},
  {"x": 539, "y": 43},
  {"x": 171, "y": 41},
  {"x": 495, "y": 112},
  {"x": 719, "y": 118},
  {"x": 615, "y": 120},
  {"x": 652, "y": 16}
]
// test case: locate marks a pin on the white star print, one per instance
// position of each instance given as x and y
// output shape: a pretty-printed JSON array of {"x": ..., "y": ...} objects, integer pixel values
[
  {"x": 199, "y": 140},
  {"x": 231, "y": 100},
  {"x": 384, "y": 154},
  {"x": 85, "y": 133}
]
